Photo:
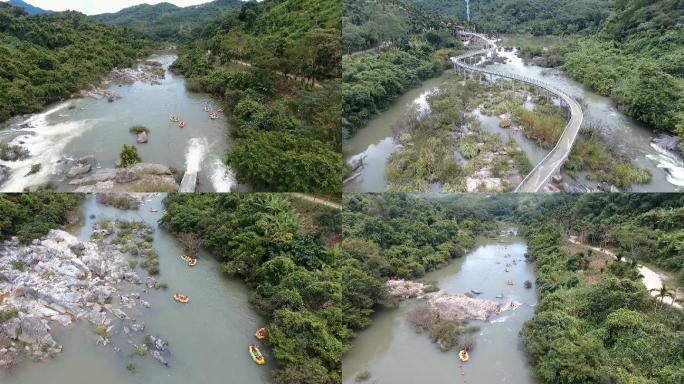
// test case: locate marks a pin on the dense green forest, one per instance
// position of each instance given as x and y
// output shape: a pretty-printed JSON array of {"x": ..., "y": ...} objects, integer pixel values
[
  {"x": 609, "y": 330},
  {"x": 167, "y": 21},
  {"x": 32, "y": 215},
  {"x": 538, "y": 17},
  {"x": 638, "y": 60},
  {"x": 46, "y": 58},
  {"x": 295, "y": 277},
  {"x": 417, "y": 47},
  {"x": 277, "y": 66},
  {"x": 370, "y": 23}
]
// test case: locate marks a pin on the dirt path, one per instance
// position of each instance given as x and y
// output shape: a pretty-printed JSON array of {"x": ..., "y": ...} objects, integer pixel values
[
  {"x": 316, "y": 84},
  {"x": 651, "y": 278},
  {"x": 317, "y": 200}
]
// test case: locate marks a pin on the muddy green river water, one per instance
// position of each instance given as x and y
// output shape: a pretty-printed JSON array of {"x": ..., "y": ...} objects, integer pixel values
[
  {"x": 375, "y": 142},
  {"x": 393, "y": 352}
]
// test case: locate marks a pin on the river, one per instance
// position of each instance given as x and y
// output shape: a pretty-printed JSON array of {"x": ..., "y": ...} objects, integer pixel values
[
  {"x": 376, "y": 143},
  {"x": 208, "y": 337},
  {"x": 99, "y": 128},
  {"x": 633, "y": 139},
  {"x": 393, "y": 352}
]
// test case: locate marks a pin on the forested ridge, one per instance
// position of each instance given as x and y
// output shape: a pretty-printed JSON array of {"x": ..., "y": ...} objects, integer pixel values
[
  {"x": 415, "y": 48},
  {"x": 277, "y": 66},
  {"x": 539, "y": 17},
  {"x": 296, "y": 278},
  {"x": 596, "y": 322},
  {"x": 46, "y": 58},
  {"x": 167, "y": 21}
]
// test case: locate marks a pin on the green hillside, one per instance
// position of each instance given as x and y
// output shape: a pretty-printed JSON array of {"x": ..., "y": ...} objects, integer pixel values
[
  {"x": 539, "y": 17},
  {"x": 167, "y": 21},
  {"x": 45, "y": 58}
]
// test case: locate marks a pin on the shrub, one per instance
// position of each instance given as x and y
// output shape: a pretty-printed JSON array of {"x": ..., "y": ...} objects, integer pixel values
[
  {"x": 19, "y": 265},
  {"x": 466, "y": 343},
  {"x": 129, "y": 156},
  {"x": 138, "y": 129},
  {"x": 8, "y": 314}
]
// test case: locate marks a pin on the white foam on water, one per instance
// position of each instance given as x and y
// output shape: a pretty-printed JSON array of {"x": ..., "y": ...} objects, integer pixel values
[
  {"x": 222, "y": 177},
  {"x": 673, "y": 165},
  {"x": 499, "y": 319},
  {"x": 194, "y": 155},
  {"x": 40, "y": 119},
  {"x": 46, "y": 144}
]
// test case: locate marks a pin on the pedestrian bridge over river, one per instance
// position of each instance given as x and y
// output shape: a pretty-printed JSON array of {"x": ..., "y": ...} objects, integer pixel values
[{"x": 542, "y": 172}]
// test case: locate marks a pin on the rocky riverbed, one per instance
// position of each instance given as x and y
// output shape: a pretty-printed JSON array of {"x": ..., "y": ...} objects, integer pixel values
[
  {"x": 141, "y": 177},
  {"x": 58, "y": 280}
]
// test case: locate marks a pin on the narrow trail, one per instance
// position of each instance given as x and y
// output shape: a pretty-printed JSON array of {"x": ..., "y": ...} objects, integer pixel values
[
  {"x": 316, "y": 84},
  {"x": 651, "y": 278},
  {"x": 540, "y": 174},
  {"x": 317, "y": 200}
]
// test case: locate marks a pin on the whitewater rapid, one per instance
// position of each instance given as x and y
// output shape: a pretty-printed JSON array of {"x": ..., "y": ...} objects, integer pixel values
[
  {"x": 46, "y": 143},
  {"x": 671, "y": 163},
  {"x": 221, "y": 176}
]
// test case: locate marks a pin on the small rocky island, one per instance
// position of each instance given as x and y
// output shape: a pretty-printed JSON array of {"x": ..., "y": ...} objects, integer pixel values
[
  {"x": 59, "y": 280},
  {"x": 140, "y": 177}
]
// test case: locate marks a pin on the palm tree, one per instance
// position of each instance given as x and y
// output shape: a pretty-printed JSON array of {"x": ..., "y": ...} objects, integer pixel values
[{"x": 663, "y": 292}]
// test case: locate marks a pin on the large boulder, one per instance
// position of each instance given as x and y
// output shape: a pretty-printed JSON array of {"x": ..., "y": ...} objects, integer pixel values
[
  {"x": 34, "y": 332},
  {"x": 142, "y": 138},
  {"x": 125, "y": 175},
  {"x": 10, "y": 328},
  {"x": 80, "y": 169},
  {"x": 95, "y": 264},
  {"x": 153, "y": 168}
]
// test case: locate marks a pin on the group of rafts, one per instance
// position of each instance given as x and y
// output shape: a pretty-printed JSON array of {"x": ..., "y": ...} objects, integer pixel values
[
  {"x": 463, "y": 354},
  {"x": 260, "y": 334},
  {"x": 212, "y": 115}
]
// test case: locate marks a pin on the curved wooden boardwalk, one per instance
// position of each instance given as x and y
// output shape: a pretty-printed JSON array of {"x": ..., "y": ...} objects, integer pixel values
[{"x": 540, "y": 174}]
